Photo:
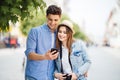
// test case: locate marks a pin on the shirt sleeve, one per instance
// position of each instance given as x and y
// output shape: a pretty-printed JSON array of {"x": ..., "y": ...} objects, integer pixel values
[
  {"x": 87, "y": 62},
  {"x": 31, "y": 42}
]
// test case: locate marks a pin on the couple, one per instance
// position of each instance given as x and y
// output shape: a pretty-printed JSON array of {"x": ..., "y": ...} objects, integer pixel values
[{"x": 71, "y": 59}]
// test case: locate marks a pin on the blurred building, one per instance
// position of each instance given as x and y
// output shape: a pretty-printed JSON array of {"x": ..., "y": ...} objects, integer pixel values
[
  {"x": 15, "y": 32},
  {"x": 112, "y": 35}
]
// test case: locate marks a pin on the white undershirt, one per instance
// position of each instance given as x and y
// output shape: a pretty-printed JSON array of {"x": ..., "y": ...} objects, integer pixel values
[
  {"x": 65, "y": 61},
  {"x": 53, "y": 38}
]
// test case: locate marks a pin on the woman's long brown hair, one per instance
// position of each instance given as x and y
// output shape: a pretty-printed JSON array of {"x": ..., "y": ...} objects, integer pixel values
[{"x": 69, "y": 40}]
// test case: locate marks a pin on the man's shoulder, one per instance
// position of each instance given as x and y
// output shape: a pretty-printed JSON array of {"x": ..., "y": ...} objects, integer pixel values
[{"x": 38, "y": 28}]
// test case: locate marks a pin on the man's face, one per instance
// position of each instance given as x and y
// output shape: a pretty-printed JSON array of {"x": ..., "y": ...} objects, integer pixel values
[{"x": 53, "y": 21}]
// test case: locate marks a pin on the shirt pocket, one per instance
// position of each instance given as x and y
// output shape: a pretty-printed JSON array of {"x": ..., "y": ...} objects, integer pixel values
[
  {"x": 77, "y": 53},
  {"x": 78, "y": 58}
]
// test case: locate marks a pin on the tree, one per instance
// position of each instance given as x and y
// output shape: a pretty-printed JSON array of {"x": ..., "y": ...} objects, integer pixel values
[
  {"x": 13, "y": 10},
  {"x": 28, "y": 23},
  {"x": 79, "y": 34}
]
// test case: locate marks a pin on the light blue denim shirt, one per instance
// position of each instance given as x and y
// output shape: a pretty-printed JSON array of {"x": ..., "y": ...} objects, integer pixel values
[
  {"x": 39, "y": 41},
  {"x": 79, "y": 60}
]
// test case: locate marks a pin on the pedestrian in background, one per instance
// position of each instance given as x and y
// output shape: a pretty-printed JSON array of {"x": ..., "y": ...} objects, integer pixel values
[
  {"x": 40, "y": 64},
  {"x": 73, "y": 61}
]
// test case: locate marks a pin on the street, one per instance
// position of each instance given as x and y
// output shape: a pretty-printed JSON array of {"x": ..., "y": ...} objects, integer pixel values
[
  {"x": 11, "y": 64},
  {"x": 105, "y": 64}
]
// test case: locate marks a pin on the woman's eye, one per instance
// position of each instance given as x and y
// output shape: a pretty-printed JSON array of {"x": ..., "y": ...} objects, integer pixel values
[
  {"x": 64, "y": 32},
  {"x": 59, "y": 31}
]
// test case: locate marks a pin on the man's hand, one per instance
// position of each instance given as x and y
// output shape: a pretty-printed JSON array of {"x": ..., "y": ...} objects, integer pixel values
[{"x": 49, "y": 55}]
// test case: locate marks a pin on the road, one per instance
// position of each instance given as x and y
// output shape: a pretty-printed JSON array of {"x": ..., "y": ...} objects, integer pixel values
[
  {"x": 11, "y": 64},
  {"x": 105, "y": 64}
]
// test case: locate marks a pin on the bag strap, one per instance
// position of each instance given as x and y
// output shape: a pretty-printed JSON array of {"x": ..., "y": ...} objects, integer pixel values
[
  {"x": 61, "y": 59},
  {"x": 70, "y": 61}
]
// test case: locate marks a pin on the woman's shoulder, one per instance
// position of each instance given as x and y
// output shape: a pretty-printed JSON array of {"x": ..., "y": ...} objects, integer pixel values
[
  {"x": 78, "y": 42},
  {"x": 78, "y": 47}
]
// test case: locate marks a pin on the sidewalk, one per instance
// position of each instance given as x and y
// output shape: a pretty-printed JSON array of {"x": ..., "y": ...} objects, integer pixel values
[
  {"x": 110, "y": 50},
  {"x": 12, "y": 64},
  {"x": 11, "y": 51}
]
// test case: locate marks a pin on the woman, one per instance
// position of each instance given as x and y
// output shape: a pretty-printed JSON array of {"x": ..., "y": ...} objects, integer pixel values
[{"x": 73, "y": 61}]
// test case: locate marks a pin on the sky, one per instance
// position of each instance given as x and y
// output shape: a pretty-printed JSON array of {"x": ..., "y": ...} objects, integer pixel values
[{"x": 91, "y": 15}]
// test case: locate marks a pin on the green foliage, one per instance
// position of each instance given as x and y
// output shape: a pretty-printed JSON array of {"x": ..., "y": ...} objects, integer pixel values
[
  {"x": 65, "y": 17},
  {"x": 79, "y": 34},
  {"x": 11, "y": 10},
  {"x": 36, "y": 20}
]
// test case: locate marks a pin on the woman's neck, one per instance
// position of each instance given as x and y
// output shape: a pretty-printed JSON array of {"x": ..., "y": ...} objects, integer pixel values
[{"x": 64, "y": 44}]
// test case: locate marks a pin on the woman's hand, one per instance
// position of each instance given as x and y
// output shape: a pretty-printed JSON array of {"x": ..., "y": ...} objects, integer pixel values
[
  {"x": 59, "y": 76},
  {"x": 74, "y": 76},
  {"x": 86, "y": 74}
]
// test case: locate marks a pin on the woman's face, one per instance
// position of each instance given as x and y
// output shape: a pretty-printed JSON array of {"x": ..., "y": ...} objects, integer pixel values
[{"x": 62, "y": 34}]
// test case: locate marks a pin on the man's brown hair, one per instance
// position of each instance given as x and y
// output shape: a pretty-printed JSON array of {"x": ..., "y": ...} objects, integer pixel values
[{"x": 53, "y": 9}]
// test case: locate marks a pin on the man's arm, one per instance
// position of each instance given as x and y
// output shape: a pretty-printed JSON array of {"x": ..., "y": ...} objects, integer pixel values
[{"x": 47, "y": 56}]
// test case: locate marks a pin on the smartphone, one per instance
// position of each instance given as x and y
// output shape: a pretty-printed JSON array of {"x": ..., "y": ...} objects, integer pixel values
[
  {"x": 65, "y": 75},
  {"x": 54, "y": 49}
]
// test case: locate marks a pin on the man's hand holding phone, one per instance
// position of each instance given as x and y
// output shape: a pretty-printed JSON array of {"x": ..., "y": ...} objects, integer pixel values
[
  {"x": 51, "y": 54},
  {"x": 54, "y": 51}
]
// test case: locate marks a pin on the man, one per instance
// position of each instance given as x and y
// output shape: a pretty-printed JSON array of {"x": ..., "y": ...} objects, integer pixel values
[{"x": 40, "y": 64}]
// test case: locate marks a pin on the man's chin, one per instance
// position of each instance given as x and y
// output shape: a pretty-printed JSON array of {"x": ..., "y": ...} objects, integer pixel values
[{"x": 53, "y": 28}]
